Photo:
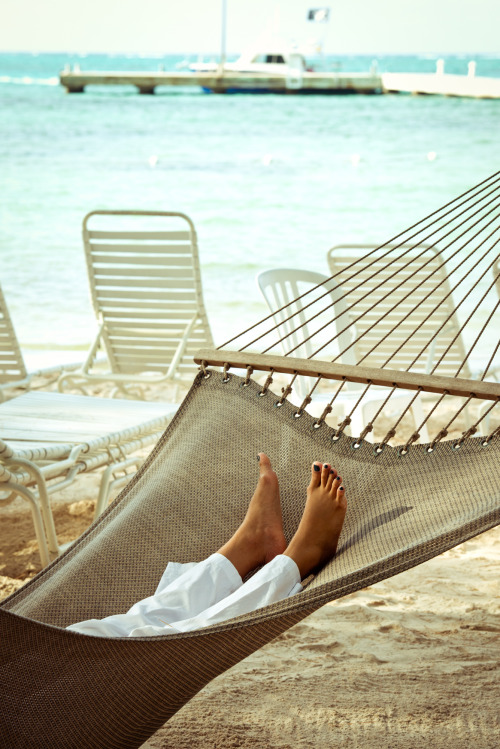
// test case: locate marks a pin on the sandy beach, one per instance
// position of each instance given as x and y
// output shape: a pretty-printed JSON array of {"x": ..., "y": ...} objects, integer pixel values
[
  {"x": 410, "y": 662},
  {"x": 413, "y": 660}
]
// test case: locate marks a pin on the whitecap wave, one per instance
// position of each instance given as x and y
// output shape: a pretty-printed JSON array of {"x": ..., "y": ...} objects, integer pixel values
[{"x": 28, "y": 81}]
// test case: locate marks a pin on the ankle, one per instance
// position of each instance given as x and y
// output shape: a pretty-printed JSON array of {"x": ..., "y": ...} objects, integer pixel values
[{"x": 300, "y": 557}]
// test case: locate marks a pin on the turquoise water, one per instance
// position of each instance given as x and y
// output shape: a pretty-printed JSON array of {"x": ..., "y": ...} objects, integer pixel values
[{"x": 268, "y": 180}]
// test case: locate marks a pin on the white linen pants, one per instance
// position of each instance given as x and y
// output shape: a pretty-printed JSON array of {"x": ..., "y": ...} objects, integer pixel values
[{"x": 198, "y": 594}]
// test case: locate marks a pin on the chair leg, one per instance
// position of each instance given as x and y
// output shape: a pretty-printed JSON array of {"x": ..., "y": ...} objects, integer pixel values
[
  {"x": 25, "y": 493},
  {"x": 44, "y": 501},
  {"x": 109, "y": 482}
]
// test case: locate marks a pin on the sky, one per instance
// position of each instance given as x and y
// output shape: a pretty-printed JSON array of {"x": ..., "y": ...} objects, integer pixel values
[{"x": 194, "y": 26}]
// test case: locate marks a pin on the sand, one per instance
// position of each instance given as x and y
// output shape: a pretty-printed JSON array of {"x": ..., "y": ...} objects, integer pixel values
[{"x": 410, "y": 662}]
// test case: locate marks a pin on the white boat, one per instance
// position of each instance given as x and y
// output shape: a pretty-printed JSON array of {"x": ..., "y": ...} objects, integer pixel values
[{"x": 275, "y": 59}]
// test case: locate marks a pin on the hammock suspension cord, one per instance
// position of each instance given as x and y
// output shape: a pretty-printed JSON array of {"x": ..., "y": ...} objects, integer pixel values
[{"x": 402, "y": 288}]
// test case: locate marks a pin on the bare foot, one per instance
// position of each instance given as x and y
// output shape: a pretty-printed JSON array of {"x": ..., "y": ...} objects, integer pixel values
[
  {"x": 316, "y": 539},
  {"x": 260, "y": 536}
]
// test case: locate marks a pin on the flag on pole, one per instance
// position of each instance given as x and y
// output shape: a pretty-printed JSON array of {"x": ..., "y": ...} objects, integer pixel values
[{"x": 319, "y": 15}]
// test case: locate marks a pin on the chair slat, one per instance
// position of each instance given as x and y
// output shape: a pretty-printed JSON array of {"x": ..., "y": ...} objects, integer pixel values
[
  {"x": 141, "y": 235},
  {"x": 142, "y": 250},
  {"x": 104, "y": 274},
  {"x": 161, "y": 260}
]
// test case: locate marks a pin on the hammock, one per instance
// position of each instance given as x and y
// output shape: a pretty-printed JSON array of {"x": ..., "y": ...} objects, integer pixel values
[{"x": 407, "y": 502}]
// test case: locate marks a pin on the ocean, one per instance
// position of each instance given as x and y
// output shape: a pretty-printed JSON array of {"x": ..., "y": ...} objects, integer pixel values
[{"x": 268, "y": 180}]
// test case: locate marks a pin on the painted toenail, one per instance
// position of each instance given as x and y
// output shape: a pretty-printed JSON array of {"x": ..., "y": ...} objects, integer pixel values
[
  {"x": 317, "y": 468},
  {"x": 338, "y": 478},
  {"x": 325, "y": 465},
  {"x": 332, "y": 471},
  {"x": 258, "y": 457},
  {"x": 341, "y": 488}
]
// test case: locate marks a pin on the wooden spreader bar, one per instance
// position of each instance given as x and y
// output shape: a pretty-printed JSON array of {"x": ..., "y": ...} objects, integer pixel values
[{"x": 334, "y": 371}]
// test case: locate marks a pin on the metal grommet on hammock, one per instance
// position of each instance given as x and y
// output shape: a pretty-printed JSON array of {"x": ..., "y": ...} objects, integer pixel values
[
  {"x": 456, "y": 445},
  {"x": 405, "y": 449},
  {"x": 302, "y": 407},
  {"x": 207, "y": 373},
  {"x": 440, "y": 436},
  {"x": 356, "y": 444},
  {"x": 225, "y": 376},
  {"x": 246, "y": 381},
  {"x": 379, "y": 449},
  {"x": 284, "y": 393},
  {"x": 319, "y": 422},
  {"x": 266, "y": 385},
  {"x": 340, "y": 431}
]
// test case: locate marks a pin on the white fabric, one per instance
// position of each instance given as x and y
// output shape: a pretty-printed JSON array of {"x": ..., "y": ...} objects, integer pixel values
[{"x": 195, "y": 595}]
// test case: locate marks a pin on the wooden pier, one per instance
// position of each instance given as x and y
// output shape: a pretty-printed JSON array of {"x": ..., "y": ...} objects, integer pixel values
[
  {"x": 442, "y": 84},
  {"x": 229, "y": 82},
  {"x": 293, "y": 82}
]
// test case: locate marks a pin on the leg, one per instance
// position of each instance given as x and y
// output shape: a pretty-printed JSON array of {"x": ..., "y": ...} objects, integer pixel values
[
  {"x": 316, "y": 539},
  {"x": 185, "y": 590},
  {"x": 260, "y": 537},
  {"x": 277, "y": 580},
  {"x": 314, "y": 543}
]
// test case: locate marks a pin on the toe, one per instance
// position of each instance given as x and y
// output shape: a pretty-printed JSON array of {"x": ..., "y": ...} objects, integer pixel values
[
  {"x": 331, "y": 478},
  {"x": 341, "y": 495},
  {"x": 264, "y": 463},
  {"x": 325, "y": 474},
  {"x": 336, "y": 483},
  {"x": 316, "y": 473}
]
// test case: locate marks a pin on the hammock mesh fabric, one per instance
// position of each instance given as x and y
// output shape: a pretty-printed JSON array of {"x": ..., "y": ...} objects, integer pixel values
[{"x": 64, "y": 689}]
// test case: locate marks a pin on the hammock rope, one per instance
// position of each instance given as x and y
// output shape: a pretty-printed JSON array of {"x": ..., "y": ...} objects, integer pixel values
[
  {"x": 371, "y": 308},
  {"x": 390, "y": 244},
  {"x": 420, "y": 296}
]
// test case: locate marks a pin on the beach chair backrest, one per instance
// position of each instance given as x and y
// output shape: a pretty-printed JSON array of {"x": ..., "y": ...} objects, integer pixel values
[
  {"x": 414, "y": 283},
  {"x": 146, "y": 290},
  {"x": 311, "y": 315},
  {"x": 12, "y": 367}
]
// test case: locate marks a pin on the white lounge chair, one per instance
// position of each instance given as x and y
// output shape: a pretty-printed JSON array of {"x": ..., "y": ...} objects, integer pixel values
[
  {"x": 431, "y": 307},
  {"x": 306, "y": 326},
  {"x": 424, "y": 266},
  {"x": 48, "y": 439},
  {"x": 13, "y": 371},
  {"x": 146, "y": 292}
]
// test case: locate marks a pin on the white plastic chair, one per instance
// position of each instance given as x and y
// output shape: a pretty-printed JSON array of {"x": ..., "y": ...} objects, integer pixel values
[
  {"x": 13, "y": 372},
  {"x": 145, "y": 286},
  {"x": 281, "y": 286}
]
